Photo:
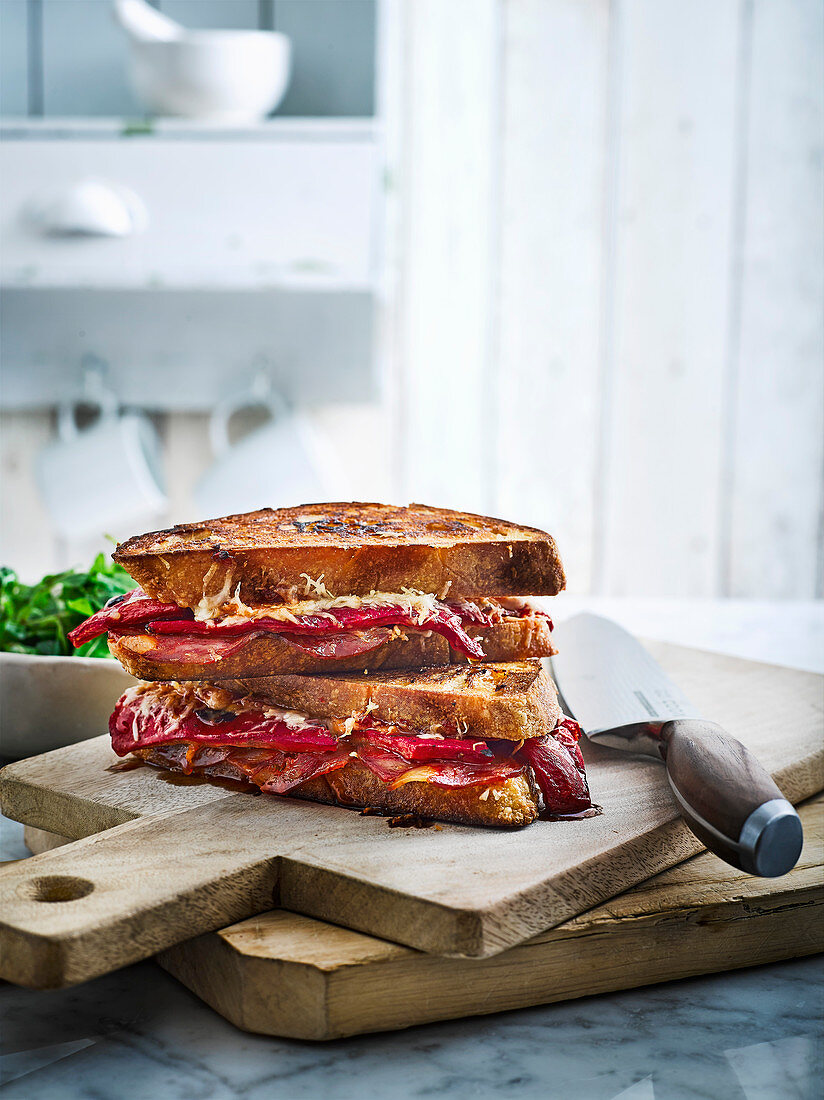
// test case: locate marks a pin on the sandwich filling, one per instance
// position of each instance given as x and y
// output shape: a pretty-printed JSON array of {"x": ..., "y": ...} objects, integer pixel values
[
  {"x": 203, "y": 729},
  {"x": 328, "y": 627}
]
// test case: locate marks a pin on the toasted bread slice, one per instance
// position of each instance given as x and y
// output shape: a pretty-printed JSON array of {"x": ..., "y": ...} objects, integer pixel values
[
  {"x": 510, "y": 701},
  {"x": 356, "y": 548},
  {"x": 512, "y": 803},
  {"x": 269, "y": 655}
]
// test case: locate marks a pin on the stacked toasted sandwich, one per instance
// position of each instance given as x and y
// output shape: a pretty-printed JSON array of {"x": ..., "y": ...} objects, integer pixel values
[{"x": 358, "y": 654}]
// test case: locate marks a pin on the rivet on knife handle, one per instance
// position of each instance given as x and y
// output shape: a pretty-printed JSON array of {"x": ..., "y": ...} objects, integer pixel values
[{"x": 728, "y": 800}]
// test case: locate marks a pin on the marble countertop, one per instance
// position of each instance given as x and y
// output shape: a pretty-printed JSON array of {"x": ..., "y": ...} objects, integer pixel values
[{"x": 750, "y": 1035}]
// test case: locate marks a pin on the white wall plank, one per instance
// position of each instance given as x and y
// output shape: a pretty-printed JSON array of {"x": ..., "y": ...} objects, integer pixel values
[
  {"x": 447, "y": 179},
  {"x": 390, "y": 106},
  {"x": 777, "y": 489},
  {"x": 676, "y": 144},
  {"x": 553, "y": 157}
]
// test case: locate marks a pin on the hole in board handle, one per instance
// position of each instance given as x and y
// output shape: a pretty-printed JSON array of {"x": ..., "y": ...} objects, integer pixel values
[{"x": 52, "y": 888}]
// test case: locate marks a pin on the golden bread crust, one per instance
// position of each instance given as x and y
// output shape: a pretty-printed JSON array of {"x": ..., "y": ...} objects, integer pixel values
[
  {"x": 509, "y": 701},
  {"x": 269, "y": 654},
  {"x": 357, "y": 548},
  {"x": 355, "y": 785}
]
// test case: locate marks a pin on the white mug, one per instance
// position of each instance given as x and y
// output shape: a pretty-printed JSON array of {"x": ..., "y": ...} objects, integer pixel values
[
  {"x": 105, "y": 479},
  {"x": 281, "y": 463}
]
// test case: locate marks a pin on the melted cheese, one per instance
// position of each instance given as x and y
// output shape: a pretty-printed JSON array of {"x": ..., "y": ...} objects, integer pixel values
[
  {"x": 146, "y": 699},
  {"x": 174, "y": 700},
  {"x": 231, "y": 610},
  {"x": 210, "y": 605},
  {"x": 316, "y": 588},
  {"x": 178, "y": 700},
  {"x": 521, "y": 604}
]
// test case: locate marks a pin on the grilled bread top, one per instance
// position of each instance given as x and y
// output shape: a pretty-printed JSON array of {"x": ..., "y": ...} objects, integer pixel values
[
  {"x": 510, "y": 700},
  {"x": 356, "y": 548}
]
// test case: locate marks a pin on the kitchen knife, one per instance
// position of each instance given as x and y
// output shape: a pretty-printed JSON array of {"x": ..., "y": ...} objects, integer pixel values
[{"x": 621, "y": 698}]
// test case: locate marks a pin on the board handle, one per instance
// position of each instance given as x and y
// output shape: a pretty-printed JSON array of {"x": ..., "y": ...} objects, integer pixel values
[{"x": 728, "y": 800}]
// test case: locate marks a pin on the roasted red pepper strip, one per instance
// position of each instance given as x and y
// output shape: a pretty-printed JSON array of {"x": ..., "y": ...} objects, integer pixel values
[
  {"x": 562, "y": 781},
  {"x": 336, "y": 646},
  {"x": 336, "y": 621},
  {"x": 294, "y": 770},
  {"x": 212, "y": 648},
  {"x": 396, "y": 770},
  {"x": 272, "y": 771},
  {"x": 428, "y": 748},
  {"x": 186, "y": 647},
  {"x": 448, "y": 774},
  {"x": 133, "y": 726},
  {"x": 132, "y": 609},
  {"x": 159, "y": 618}
]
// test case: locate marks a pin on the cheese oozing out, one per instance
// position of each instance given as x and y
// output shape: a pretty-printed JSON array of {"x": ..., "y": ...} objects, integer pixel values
[
  {"x": 179, "y": 700},
  {"x": 226, "y": 604}
]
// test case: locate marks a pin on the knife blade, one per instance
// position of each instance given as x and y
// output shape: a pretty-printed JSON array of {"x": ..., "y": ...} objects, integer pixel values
[{"x": 622, "y": 698}]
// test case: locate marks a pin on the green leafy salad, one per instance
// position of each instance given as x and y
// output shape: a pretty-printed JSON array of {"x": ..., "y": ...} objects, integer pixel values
[{"x": 36, "y": 618}]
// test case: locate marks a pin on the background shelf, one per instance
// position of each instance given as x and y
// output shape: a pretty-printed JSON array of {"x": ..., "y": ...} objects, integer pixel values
[{"x": 291, "y": 207}]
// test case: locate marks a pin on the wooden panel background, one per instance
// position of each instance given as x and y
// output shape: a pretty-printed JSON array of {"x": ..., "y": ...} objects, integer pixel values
[
  {"x": 672, "y": 178},
  {"x": 603, "y": 280},
  {"x": 776, "y": 536},
  {"x": 444, "y": 336},
  {"x": 545, "y": 404},
  {"x": 625, "y": 342}
]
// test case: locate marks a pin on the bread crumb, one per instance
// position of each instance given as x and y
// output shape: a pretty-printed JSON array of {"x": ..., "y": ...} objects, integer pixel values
[{"x": 409, "y": 821}]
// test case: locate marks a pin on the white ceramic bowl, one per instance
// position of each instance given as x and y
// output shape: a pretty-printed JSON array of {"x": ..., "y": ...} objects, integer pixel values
[
  {"x": 225, "y": 77},
  {"x": 48, "y": 702}
]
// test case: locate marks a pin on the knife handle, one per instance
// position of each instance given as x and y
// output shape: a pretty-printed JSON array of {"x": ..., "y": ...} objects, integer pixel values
[{"x": 728, "y": 800}]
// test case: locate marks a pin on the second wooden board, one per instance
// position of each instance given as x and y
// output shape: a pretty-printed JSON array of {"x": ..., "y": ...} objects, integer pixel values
[{"x": 177, "y": 861}]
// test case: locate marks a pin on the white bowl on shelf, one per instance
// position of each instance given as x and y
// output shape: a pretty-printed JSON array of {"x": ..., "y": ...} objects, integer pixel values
[
  {"x": 48, "y": 702},
  {"x": 231, "y": 77}
]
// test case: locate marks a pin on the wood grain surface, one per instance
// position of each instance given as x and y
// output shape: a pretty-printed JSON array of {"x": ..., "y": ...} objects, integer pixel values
[
  {"x": 284, "y": 974},
  {"x": 178, "y": 861}
]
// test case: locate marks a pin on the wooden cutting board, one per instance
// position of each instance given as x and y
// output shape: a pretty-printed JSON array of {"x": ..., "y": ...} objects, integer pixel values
[
  {"x": 284, "y": 974},
  {"x": 178, "y": 861}
]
